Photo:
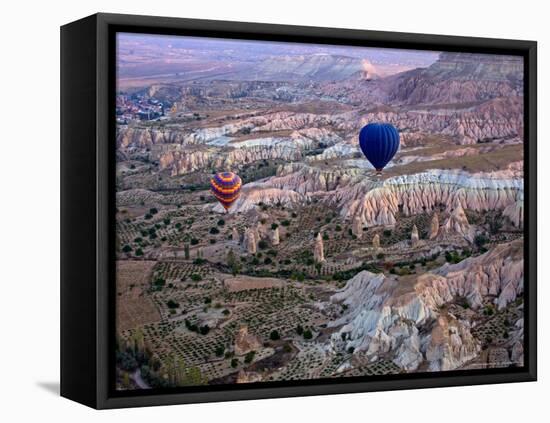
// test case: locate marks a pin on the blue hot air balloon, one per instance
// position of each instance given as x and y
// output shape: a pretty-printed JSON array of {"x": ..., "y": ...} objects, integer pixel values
[{"x": 379, "y": 142}]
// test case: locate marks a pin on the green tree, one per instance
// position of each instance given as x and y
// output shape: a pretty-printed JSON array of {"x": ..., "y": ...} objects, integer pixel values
[
  {"x": 233, "y": 263},
  {"x": 249, "y": 357},
  {"x": 186, "y": 250},
  {"x": 274, "y": 335},
  {"x": 262, "y": 244}
]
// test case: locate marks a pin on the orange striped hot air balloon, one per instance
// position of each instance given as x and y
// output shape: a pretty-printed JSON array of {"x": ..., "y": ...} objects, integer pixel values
[{"x": 226, "y": 187}]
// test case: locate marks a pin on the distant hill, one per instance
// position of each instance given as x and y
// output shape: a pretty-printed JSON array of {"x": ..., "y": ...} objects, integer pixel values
[{"x": 458, "y": 78}]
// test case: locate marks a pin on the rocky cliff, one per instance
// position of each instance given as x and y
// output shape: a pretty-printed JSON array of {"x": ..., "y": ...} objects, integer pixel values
[
  {"x": 458, "y": 78},
  {"x": 404, "y": 320}
]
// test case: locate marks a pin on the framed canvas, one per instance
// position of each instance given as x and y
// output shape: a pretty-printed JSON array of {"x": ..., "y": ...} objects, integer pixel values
[{"x": 258, "y": 211}]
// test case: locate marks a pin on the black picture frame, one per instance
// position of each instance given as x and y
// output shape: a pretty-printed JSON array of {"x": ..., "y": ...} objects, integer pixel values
[{"x": 87, "y": 209}]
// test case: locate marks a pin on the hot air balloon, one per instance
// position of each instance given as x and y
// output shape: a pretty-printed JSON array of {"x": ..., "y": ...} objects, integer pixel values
[
  {"x": 226, "y": 187},
  {"x": 379, "y": 143}
]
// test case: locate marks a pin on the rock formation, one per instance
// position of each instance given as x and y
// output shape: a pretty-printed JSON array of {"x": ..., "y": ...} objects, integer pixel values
[
  {"x": 385, "y": 318},
  {"x": 457, "y": 223},
  {"x": 376, "y": 241},
  {"x": 253, "y": 195},
  {"x": 250, "y": 241},
  {"x": 434, "y": 227},
  {"x": 235, "y": 235},
  {"x": 318, "y": 249},
  {"x": 379, "y": 203},
  {"x": 414, "y": 236},
  {"x": 246, "y": 342},
  {"x": 248, "y": 377},
  {"x": 357, "y": 227},
  {"x": 275, "y": 237},
  {"x": 450, "y": 345}
]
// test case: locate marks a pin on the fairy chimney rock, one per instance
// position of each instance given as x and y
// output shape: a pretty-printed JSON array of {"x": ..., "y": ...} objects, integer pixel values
[
  {"x": 376, "y": 241},
  {"x": 357, "y": 227},
  {"x": 434, "y": 227},
  {"x": 414, "y": 236},
  {"x": 275, "y": 237},
  {"x": 250, "y": 241},
  {"x": 235, "y": 235},
  {"x": 458, "y": 223},
  {"x": 318, "y": 250}
]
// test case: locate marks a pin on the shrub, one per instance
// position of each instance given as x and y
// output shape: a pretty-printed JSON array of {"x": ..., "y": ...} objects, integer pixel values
[
  {"x": 234, "y": 362},
  {"x": 126, "y": 248},
  {"x": 351, "y": 350},
  {"x": 262, "y": 244},
  {"x": 196, "y": 277},
  {"x": 274, "y": 335},
  {"x": 274, "y": 226},
  {"x": 285, "y": 223},
  {"x": 153, "y": 210},
  {"x": 172, "y": 304},
  {"x": 204, "y": 329},
  {"x": 214, "y": 230},
  {"x": 249, "y": 357},
  {"x": 219, "y": 350},
  {"x": 139, "y": 252},
  {"x": 299, "y": 330},
  {"x": 194, "y": 241},
  {"x": 308, "y": 334},
  {"x": 221, "y": 222}
]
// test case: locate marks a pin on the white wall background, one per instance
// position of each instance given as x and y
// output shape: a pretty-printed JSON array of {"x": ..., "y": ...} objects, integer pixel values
[{"x": 29, "y": 224}]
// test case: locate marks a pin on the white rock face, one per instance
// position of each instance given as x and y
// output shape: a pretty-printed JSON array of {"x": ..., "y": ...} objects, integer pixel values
[
  {"x": 318, "y": 249},
  {"x": 385, "y": 318},
  {"x": 337, "y": 151},
  {"x": 378, "y": 203},
  {"x": 251, "y": 196},
  {"x": 181, "y": 162}
]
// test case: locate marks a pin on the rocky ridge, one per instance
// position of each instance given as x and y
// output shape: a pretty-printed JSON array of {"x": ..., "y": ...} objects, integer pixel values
[{"x": 406, "y": 322}]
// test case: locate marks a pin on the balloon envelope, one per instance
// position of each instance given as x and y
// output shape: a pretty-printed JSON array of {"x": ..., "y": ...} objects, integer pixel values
[
  {"x": 226, "y": 187},
  {"x": 379, "y": 143}
]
